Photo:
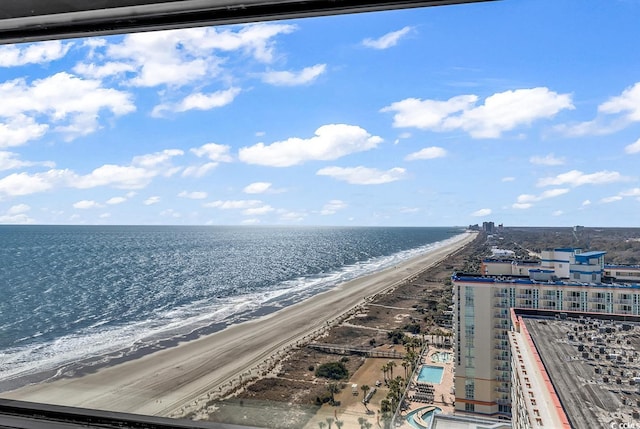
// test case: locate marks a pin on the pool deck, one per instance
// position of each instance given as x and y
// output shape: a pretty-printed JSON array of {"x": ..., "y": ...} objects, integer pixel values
[{"x": 443, "y": 392}]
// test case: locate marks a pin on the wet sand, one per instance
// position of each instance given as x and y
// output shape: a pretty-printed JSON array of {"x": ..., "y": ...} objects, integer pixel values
[{"x": 170, "y": 381}]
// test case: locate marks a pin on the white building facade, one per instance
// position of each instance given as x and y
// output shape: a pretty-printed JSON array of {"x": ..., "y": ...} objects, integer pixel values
[{"x": 482, "y": 325}]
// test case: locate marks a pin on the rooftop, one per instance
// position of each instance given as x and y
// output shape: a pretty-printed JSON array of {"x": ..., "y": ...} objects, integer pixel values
[
  {"x": 478, "y": 278},
  {"x": 592, "y": 364}
]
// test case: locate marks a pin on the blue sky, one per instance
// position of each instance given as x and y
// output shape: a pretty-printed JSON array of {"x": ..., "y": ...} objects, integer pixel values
[{"x": 521, "y": 112}]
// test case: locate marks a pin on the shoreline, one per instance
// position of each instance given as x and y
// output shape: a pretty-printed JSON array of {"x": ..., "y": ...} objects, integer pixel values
[{"x": 165, "y": 382}]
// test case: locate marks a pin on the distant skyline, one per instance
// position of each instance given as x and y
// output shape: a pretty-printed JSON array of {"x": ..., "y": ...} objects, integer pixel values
[{"x": 525, "y": 113}]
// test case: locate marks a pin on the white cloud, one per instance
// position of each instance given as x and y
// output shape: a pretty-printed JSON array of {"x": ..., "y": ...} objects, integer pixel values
[
  {"x": 257, "y": 188},
  {"x": 521, "y": 206},
  {"x": 500, "y": 112},
  {"x": 86, "y": 204},
  {"x": 116, "y": 200},
  {"x": 36, "y": 53},
  {"x": 17, "y": 215},
  {"x": 633, "y": 147},
  {"x": 18, "y": 209},
  {"x": 105, "y": 215},
  {"x": 198, "y": 101},
  {"x": 8, "y": 161},
  {"x": 332, "y": 207},
  {"x": 557, "y": 213},
  {"x": 427, "y": 153},
  {"x": 138, "y": 175},
  {"x": 170, "y": 213},
  {"x": 255, "y": 39},
  {"x": 330, "y": 142},
  {"x": 111, "y": 68},
  {"x": 508, "y": 179},
  {"x": 613, "y": 115},
  {"x": 611, "y": 199},
  {"x": 72, "y": 106},
  {"x": 199, "y": 170},
  {"x": 363, "y": 175},
  {"x": 234, "y": 204},
  {"x": 258, "y": 211},
  {"x": 20, "y": 129},
  {"x": 586, "y": 203},
  {"x": 19, "y": 219},
  {"x": 180, "y": 57},
  {"x": 409, "y": 210},
  {"x": 290, "y": 216},
  {"x": 549, "y": 160},
  {"x": 524, "y": 201},
  {"x": 292, "y": 78},
  {"x": 151, "y": 200},
  {"x": 215, "y": 152},
  {"x": 481, "y": 213},
  {"x": 551, "y": 193},
  {"x": 578, "y": 178},
  {"x": 634, "y": 192},
  {"x": 388, "y": 40},
  {"x": 193, "y": 195},
  {"x": 628, "y": 103},
  {"x": 119, "y": 176},
  {"x": 17, "y": 184},
  {"x": 156, "y": 159}
]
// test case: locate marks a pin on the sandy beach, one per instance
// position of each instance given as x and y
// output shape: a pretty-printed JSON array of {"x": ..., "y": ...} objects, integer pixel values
[{"x": 177, "y": 379}]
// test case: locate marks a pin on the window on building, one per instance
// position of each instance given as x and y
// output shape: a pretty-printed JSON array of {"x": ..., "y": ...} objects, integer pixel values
[
  {"x": 470, "y": 408},
  {"x": 469, "y": 389}
]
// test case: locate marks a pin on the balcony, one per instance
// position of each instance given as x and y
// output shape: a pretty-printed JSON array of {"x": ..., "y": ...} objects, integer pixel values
[
  {"x": 500, "y": 294},
  {"x": 572, "y": 298},
  {"x": 501, "y": 347},
  {"x": 549, "y": 307},
  {"x": 503, "y": 358},
  {"x": 502, "y": 368},
  {"x": 502, "y": 389},
  {"x": 596, "y": 299},
  {"x": 503, "y": 378},
  {"x": 624, "y": 301},
  {"x": 500, "y": 337},
  {"x": 525, "y": 295}
]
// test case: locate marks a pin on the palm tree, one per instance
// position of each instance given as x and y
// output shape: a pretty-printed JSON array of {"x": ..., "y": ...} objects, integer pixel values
[
  {"x": 333, "y": 389},
  {"x": 391, "y": 365},
  {"x": 405, "y": 365},
  {"x": 365, "y": 388},
  {"x": 385, "y": 368},
  {"x": 329, "y": 421},
  {"x": 339, "y": 424},
  {"x": 321, "y": 425}
]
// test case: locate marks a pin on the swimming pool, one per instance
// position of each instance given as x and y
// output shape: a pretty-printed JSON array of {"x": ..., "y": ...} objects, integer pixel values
[
  {"x": 430, "y": 374},
  {"x": 421, "y": 418}
]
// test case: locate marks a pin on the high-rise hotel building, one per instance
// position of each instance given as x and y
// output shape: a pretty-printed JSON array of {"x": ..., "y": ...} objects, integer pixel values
[{"x": 566, "y": 280}]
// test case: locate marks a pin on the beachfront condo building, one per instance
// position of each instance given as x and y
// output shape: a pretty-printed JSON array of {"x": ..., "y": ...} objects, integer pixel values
[{"x": 567, "y": 280}]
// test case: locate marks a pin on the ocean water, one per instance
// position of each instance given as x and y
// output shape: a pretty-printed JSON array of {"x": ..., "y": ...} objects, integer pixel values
[{"x": 76, "y": 296}]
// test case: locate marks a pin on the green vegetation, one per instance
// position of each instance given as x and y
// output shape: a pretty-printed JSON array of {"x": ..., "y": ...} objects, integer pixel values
[{"x": 333, "y": 371}]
